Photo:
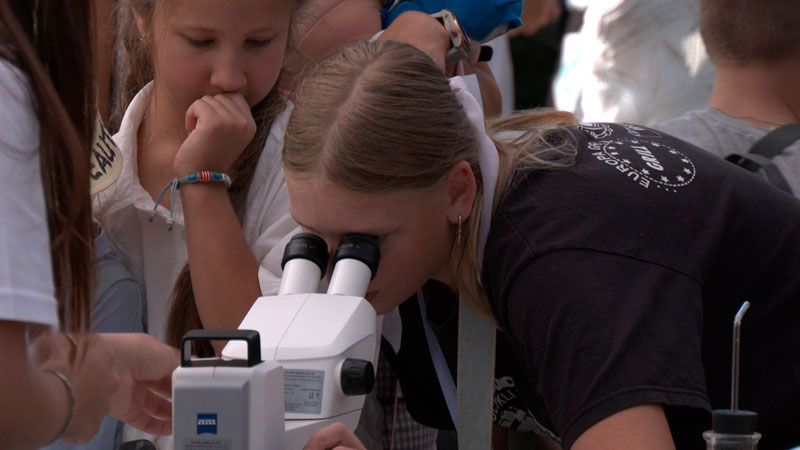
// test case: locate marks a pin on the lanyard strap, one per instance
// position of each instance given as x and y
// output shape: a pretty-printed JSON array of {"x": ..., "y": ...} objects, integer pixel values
[
  {"x": 476, "y": 335},
  {"x": 470, "y": 403},
  {"x": 476, "y": 351}
]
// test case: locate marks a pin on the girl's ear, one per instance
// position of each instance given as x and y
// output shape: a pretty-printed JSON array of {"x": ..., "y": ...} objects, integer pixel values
[{"x": 461, "y": 191}]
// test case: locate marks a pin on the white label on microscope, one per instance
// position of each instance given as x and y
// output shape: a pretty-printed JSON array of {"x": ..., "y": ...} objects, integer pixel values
[
  {"x": 302, "y": 391},
  {"x": 206, "y": 444}
]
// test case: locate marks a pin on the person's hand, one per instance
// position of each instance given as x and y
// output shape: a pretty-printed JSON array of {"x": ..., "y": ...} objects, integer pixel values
[
  {"x": 536, "y": 14},
  {"x": 128, "y": 375},
  {"x": 334, "y": 437},
  {"x": 428, "y": 35},
  {"x": 144, "y": 367},
  {"x": 423, "y": 32},
  {"x": 220, "y": 127}
]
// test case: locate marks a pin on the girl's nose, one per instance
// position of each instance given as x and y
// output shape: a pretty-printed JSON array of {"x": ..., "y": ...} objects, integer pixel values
[{"x": 228, "y": 75}]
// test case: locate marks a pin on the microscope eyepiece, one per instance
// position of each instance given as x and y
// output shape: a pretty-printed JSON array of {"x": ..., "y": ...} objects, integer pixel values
[
  {"x": 305, "y": 261},
  {"x": 359, "y": 247},
  {"x": 355, "y": 264},
  {"x": 307, "y": 246}
]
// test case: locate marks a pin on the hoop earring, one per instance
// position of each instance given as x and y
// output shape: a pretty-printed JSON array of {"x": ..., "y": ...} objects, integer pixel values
[{"x": 458, "y": 231}]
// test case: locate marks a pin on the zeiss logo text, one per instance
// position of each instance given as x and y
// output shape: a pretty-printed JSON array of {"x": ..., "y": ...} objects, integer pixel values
[{"x": 206, "y": 423}]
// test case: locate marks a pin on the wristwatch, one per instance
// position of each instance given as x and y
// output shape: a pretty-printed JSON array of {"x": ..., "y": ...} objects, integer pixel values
[{"x": 459, "y": 43}]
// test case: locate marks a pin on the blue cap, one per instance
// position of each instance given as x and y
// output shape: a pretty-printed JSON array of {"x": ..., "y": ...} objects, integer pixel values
[{"x": 479, "y": 18}]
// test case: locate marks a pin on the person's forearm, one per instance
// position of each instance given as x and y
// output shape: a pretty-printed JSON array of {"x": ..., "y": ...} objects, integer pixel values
[
  {"x": 224, "y": 271},
  {"x": 491, "y": 98},
  {"x": 34, "y": 404},
  {"x": 35, "y": 408},
  {"x": 643, "y": 426}
]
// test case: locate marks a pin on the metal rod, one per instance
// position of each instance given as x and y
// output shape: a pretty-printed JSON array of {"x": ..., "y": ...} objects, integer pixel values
[{"x": 737, "y": 332}]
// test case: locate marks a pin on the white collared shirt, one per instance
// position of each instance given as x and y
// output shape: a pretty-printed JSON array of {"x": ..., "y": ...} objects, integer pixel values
[{"x": 155, "y": 255}]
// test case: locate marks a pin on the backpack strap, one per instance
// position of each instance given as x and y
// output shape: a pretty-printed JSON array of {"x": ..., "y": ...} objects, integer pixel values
[
  {"x": 764, "y": 150},
  {"x": 774, "y": 142}
]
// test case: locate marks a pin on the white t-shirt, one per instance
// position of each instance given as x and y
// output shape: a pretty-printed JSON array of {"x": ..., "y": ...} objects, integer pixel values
[
  {"x": 27, "y": 292},
  {"x": 155, "y": 255},
  {"x": 639, "y": 61}
]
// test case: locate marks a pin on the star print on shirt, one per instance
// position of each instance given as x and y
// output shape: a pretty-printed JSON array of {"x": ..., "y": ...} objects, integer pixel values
[{"x": 645, "y": 162}]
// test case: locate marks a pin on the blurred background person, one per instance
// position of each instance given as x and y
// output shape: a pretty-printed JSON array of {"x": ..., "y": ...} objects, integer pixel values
[
  {"x": 756, "y": 48},
  {"x": 639, "y": 61}
]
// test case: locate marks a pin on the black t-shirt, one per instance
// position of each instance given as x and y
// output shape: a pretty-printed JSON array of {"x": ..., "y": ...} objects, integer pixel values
[{"x": 616, "y": 282}]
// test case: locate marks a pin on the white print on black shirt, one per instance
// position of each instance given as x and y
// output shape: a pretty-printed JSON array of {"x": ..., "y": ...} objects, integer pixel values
[
  {"x": 597, "y": 130},
  {"x": 640, "y": 132},
  {"x": 604, "y": 130},
  {"x": 508, "y": 415},
  {"x": 646, "y": 163}
]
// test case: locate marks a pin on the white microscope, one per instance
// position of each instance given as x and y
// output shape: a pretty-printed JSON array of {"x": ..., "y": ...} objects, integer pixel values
[{"x": 318, "y": 355}]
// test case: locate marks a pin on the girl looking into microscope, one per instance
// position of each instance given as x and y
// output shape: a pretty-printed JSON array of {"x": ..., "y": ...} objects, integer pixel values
[{"x": 611, "y": 257}]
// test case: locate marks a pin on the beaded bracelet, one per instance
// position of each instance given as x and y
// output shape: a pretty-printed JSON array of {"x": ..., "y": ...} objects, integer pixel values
[
  {"x": 205, "y": 176},
  {"x": 71, "y": 396}
]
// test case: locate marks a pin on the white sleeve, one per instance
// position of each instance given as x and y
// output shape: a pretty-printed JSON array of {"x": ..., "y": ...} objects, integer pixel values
[
  {"x": 27, "y": 293},
  {"x": 268, "y": 224}
]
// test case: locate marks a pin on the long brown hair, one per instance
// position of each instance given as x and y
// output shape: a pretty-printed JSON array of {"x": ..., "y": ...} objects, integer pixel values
[
  {"x": 134, "y": 70},
  {"x": 381, "y": 116},
  {"x": 52, "y": 45}
]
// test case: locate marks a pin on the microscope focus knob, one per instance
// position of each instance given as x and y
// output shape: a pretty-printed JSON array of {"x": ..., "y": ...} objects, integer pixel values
[{"x": 357, "y": 377}]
